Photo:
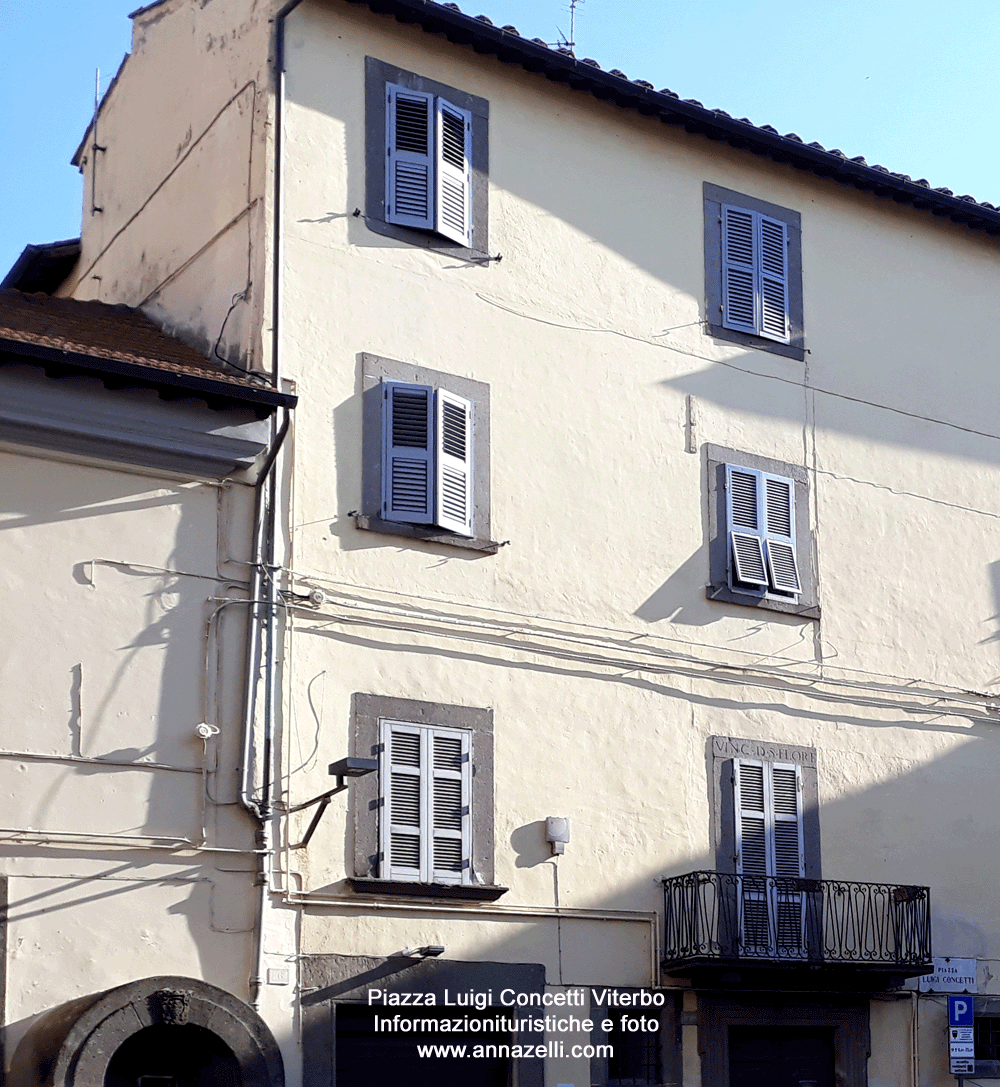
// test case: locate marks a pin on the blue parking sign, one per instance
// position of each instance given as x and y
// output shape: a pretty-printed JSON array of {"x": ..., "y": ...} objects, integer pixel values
[{"x": 960, "y": 1011}]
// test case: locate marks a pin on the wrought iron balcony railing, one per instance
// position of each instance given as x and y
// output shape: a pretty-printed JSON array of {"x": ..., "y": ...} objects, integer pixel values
[{"x": 720, "y": 918}]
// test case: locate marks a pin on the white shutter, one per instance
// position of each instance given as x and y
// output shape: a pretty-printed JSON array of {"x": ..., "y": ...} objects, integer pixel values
[
  {"x": 407, "y": 452},
  {"x": 425, "y": 828},
  {"x": 779, "y": 514},
  {"x": 786, "y": 808},
  {"x": 772, "y": 269},
  {"x": 751, "y": 818},
  {"x": 768, "y": 808},
  {"x": 738, "y": 269},
  {"x": 745, "y": 525},
  {"x": 450, "y": 838},
  {"x": 402, "y": 824},
  {"x": 409, "y": 137},
  {"x": 768, "y": 805},
  {"x": 454, "y": 172},
  {"x": 453, "y": 438}
]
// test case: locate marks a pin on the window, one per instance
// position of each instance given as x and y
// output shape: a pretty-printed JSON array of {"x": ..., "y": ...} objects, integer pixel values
[
  {"x": 753, "y": 272},
  {"x": 426, "y": 160},
  {"x": 768, "y": 828},
  {"x": 646, "y": 1058},
  {"x": 760, "y": 826},
  {"x": 986, "y": 1036},
  {"x": 760, "y": 547},
  {"x": 428, "y": 171},
  {"x": 760, "y": 521},
  {"x": 425, "y": 794},
  {"x": 426, "y": 819},
  {"x": 425, "y": 454}
]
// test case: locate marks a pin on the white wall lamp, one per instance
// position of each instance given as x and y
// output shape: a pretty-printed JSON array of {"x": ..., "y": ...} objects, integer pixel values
[
  {"x": 557, "y": 834},
  {"x": 351, "y": 767}
]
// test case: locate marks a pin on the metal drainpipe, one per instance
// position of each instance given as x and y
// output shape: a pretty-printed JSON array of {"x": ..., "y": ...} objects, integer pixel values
[{"x": 264, "y": 548}]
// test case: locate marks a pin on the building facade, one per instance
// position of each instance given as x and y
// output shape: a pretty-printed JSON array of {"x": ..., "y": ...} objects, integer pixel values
[{"x": 628, "y": 561}]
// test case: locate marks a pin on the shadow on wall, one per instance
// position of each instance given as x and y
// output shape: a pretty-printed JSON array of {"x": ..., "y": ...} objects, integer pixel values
[
  {"x": 911, "y": 822},
  {"x": 131, "y": 676}
]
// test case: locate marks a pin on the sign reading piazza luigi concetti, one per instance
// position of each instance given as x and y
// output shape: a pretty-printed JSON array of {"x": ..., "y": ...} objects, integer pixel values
[{"x": 951, "y": 975}]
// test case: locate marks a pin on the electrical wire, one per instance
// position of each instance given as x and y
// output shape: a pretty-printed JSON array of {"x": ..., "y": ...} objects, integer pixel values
[{"x": 739, "y": 369}]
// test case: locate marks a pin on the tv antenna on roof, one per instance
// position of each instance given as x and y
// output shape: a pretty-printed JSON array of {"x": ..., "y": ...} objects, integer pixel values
[{"x": 564, "y": 43}]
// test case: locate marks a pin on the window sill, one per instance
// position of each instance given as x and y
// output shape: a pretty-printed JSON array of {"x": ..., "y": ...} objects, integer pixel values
[
  {"x": 473, "y": 892},
  {"x": 429, "y": 534},
  {"x": 726, "y": 595},
  {"x": 761, "y": 343},
  {"x": 427, "y": 239}
]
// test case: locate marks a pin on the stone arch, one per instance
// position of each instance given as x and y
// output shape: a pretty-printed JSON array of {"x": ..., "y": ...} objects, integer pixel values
[{"x": 72, "y": 1045}]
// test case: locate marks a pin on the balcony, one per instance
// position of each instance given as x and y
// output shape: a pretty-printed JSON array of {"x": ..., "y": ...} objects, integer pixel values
[{"x": 723, "y": 930}]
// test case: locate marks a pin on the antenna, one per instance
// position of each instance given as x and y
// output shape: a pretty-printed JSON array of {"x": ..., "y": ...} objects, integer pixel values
[{"x": 564, "y": 43}]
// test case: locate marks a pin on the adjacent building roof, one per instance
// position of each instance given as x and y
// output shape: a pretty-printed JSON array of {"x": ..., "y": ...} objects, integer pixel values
[
  {"x": 561, "y": 66},
  {"x": 122, "y": 344},
  {"x": 43, "y": 267}
]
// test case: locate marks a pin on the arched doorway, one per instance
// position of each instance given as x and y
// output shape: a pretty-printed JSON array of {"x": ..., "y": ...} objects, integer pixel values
[
  {"x": 173, "y": 1056},
  {"x": 158, "y": 1032}
]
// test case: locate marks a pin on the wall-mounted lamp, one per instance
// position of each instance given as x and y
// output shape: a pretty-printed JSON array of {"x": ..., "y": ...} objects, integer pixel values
[
  {"x": 351, "y": 767},
  {"x": 429, "y": 951},
  {"x": 557, "y": 834}
]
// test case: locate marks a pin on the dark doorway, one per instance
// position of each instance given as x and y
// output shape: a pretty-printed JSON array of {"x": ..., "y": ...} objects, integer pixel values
[
  {"x": 781, "y": 1057},
  {"x": 173, "y": 1056},
  {"x": 366, "y": 1056}
]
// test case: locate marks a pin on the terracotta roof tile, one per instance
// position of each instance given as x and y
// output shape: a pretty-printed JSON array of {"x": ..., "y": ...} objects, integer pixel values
[{"x": 109, "y": 332}]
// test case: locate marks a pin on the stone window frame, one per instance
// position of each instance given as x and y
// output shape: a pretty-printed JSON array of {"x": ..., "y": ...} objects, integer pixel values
[
  {"x": 715, "y": 197},
  {"x": 721, "y": 752},
  {"x": 374, "y": 370},
  {"x": 670, "y": 1016},
  {"x": 368, "y": 711},
  {"x": 847, "y": 1016},
  {"x": 327, "y": 981},
  {"x": 720, "y": 587},
  {"x": 377, "y": 74},
  {"x": 986, "y": 1007}
]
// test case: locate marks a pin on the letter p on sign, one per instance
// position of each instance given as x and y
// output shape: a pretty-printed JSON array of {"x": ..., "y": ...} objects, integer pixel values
[{"x": 960, "y": 1011}]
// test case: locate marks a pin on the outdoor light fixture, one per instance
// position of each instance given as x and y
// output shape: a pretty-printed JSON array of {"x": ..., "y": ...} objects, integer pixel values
[
  {"x": 351, "y": 767},
  {"x": 429, "y": 951},
  {"x": 557, "y": 833}
]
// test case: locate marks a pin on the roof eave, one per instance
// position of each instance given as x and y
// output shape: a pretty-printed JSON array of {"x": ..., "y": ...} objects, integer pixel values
[
  {"x": 484, "y": 38},
  {"x": 262, "y": 400}
]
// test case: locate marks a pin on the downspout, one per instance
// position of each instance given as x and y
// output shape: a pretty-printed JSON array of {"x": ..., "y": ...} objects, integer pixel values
[{"x": 263, "y": 633}]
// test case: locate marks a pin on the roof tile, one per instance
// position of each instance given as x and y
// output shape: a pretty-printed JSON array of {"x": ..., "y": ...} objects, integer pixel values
[{"x": 110, "y": 332}]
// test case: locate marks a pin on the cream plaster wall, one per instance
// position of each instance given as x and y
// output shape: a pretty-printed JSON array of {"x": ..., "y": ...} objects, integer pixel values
[
  {"x": 589, "y": 333},
  {"x": 183, "y": 128},
  {"x": 590, "y": 635},
  {"x": 108, "y": 578}
]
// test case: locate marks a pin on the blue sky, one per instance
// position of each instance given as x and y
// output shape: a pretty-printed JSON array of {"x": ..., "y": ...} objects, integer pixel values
[{"x": 909, "y": 84}]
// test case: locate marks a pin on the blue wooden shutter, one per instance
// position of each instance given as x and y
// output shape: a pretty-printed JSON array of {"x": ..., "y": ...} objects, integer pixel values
[
  {"x": 453, "y": 501},
  {"x": 772, "y": 278},
  {"x": 745, "y": 526},
  {"x": 407, "y": 452},
  {"x": 755, "y": 274},
  {"x": 454, "y": 172},
  {"x": 410, "y": 175},
  {"x": 739, "y": 231},
  {"x": 779, "y": 517}
]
